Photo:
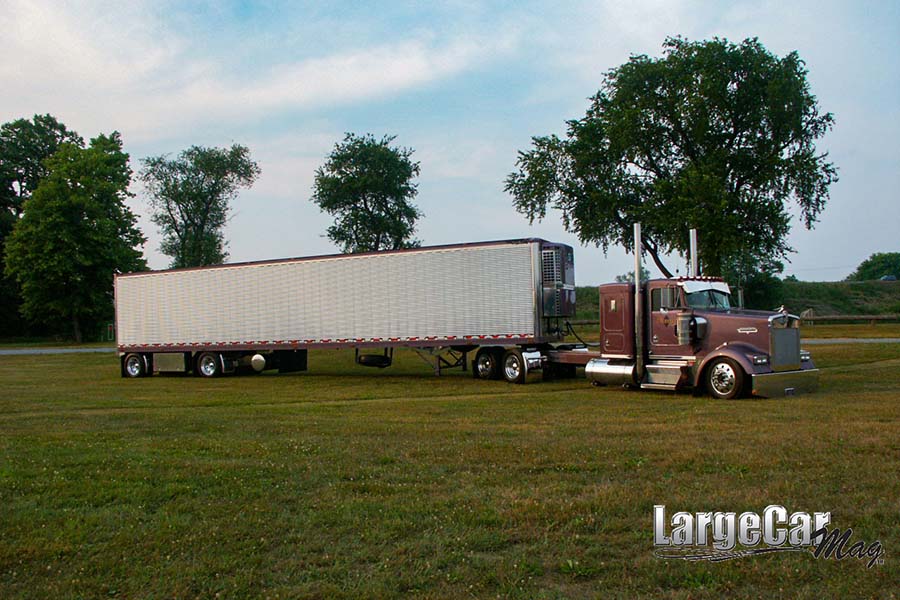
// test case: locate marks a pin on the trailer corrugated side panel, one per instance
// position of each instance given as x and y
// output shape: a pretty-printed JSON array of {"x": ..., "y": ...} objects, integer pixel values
[{"x": 444, "y": 293}]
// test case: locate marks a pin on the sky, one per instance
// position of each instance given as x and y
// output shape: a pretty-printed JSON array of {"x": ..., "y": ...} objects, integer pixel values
[{"x": 465, "y": 84}]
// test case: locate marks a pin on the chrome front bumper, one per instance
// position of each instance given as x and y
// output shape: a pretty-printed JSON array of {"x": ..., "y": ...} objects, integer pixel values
[{"x": 788, "y": 383}]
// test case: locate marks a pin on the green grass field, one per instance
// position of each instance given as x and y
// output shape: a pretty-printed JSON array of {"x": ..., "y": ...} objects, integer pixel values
[
  {"x": 349, "y": 482},
  {"x": 859, "y": 330}
]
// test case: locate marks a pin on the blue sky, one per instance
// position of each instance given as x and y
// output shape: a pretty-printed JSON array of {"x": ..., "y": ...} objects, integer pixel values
[{"x": 466, "y": 84}]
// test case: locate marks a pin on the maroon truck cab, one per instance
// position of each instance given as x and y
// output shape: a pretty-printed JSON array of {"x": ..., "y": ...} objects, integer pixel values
[{"x": 694, "y": 338}]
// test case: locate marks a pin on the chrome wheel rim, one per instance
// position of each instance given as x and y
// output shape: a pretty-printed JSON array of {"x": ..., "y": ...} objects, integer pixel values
[
  {"x": 208, "y": 365},
  {"x": 512, "y": 367},
  {"x": 485, "y": 365},
  {"x": 133, "y": 366},
  {"x": 722, "y": 379}
]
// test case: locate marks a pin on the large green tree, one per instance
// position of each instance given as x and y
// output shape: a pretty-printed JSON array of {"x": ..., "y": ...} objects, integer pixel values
[
  {"x": 367, "y": 186},
  {"x": 712, "y": 135},
  {"x": 877, "y": 266},
  {"x": 191, "y": 197},
  {"x": 75, "y": 233},
  {"x": 24, "y": 146}
]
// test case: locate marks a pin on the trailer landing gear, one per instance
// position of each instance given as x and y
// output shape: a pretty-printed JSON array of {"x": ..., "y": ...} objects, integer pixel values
[{"x": 441, "y": 357}]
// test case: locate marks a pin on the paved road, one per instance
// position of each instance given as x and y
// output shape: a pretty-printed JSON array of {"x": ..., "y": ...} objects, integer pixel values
[
  {"x": 19, "y": 351},
  {"x": 805, "y": 342}
]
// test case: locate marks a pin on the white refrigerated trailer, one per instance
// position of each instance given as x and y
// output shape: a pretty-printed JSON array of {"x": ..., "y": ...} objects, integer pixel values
[{"x": 507, "y": 300}]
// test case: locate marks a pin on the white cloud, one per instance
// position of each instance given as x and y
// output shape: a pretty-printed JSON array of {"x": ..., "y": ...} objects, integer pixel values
[
  {"x": 119, "y": 66},
  {"x": 167, "y": 76},
  {"x": 315, "y": 82}
]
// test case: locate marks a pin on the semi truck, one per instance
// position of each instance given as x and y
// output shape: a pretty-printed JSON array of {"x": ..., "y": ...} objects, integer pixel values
[{"x": 509, "y": 302}]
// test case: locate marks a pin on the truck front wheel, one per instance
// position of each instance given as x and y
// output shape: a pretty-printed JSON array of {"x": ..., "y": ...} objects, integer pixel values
[
  {"x": 209, "y": 364},
  {"x": 725, "y": 379}
]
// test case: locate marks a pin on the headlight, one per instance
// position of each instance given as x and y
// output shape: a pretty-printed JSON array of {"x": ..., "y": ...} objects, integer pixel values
[
  {"x": 760, "y": 359},
  {"x": 805, "y": 356}
]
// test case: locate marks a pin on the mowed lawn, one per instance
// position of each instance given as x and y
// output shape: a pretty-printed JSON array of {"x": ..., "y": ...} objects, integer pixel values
[{"x": 351, "y": 482}]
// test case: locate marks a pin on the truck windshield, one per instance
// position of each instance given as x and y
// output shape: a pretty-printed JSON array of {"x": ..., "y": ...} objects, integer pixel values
[{"x": 709, "y": 299}]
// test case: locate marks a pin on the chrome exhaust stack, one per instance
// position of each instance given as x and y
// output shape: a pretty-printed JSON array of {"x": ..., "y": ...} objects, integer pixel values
[
  {"x": 694, "y": 258},
  {"x": 638, "y": 308}
]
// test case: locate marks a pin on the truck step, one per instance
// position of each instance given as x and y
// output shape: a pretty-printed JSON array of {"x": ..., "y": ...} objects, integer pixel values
[
  {"x": 658, "y": 386},
  {"x": 664, "y": 374}
]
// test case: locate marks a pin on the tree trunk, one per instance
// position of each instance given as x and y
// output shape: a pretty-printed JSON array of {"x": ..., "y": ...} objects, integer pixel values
[
  {"x": 76, "y": 327},
  {"x": 654, "y": 254}
]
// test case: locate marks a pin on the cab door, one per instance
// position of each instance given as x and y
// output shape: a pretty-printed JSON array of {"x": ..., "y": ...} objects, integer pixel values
[
  {"x": 665, "y": 306},
  {"x": 617, "y": 320}
]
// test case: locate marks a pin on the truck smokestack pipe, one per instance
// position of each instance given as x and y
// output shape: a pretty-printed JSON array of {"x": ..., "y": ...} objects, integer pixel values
[
  {"x": 695, "y": 261},
  {"x": 638, "y": 308}
]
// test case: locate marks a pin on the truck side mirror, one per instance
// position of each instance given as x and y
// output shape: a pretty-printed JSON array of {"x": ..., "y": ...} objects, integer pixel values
[
  {"x": 669, "y": 297},
  {"x": 700, "y": 324}
]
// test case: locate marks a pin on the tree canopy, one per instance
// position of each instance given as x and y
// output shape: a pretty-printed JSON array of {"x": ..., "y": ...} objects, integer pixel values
[
  {"x": 713, "y": 135},
  {"x": 877, "y": 266},
  {"x": 190, "y": 196},
  {"x": 629, "y": 276},
  {"x": 74, "y": 234},
  {"x": 24, "y": 146},
  {"x": 367, "y": 185}
]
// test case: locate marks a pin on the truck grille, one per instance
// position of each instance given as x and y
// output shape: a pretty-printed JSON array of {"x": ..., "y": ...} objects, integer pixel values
[{"x": 784, "y": 344}]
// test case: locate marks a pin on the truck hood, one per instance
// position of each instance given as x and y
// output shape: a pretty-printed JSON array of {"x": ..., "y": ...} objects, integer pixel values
[
  {"x": 737, "y": 325},
  {"x": 741, "y": 312}
]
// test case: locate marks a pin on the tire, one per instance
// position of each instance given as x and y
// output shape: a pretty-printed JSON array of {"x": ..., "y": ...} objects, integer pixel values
[
  {"x": 209, "y": 364},
  {"x": 374, "y": 360},
  {"x": 134, "y": 366},
  {"x": 486, "y": 364},
  {"x": 725, "y": 379},
  {"x": 513, "y": 367}
]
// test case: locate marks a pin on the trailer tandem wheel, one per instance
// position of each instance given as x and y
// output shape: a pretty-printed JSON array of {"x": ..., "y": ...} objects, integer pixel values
[
  {"x": 134, "y": 366},
  {"x": 209, "y": 364}
]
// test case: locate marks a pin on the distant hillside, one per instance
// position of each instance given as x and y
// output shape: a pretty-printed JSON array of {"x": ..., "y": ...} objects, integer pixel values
[
  {"x": 825, "y": 297},
  {"x": 843, "y": 297}
]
